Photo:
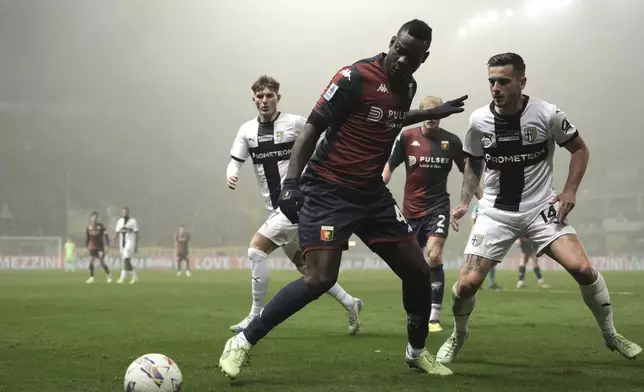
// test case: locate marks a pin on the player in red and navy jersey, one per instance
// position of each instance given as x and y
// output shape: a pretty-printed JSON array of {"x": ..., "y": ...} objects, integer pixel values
[
  {"x": 181, "y": 240},
  {"x": 429, "y": 152},
  {"x": 341, "y": 192},
  {"x": 96, "y": 242}
]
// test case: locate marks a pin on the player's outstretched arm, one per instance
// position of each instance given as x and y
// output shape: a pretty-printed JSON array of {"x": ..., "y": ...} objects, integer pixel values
[
  {"x": 579, "y": 156},
  {"x": 442, "y": 111}
]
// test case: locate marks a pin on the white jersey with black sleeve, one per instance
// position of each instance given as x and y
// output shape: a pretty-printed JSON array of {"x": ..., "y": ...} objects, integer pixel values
[
  {"x": 518, "y": 151},
  {"x": 269, "y": 146}
]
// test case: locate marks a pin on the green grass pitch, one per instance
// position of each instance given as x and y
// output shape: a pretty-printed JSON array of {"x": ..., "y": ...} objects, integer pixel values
[{"x": 59, "y": 334}]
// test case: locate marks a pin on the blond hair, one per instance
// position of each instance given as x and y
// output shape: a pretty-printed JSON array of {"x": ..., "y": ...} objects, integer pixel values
[{"x": 430, "y": 101}]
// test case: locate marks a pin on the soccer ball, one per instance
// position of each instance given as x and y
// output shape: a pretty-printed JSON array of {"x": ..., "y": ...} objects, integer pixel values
[{"x": 153, "y": 373}]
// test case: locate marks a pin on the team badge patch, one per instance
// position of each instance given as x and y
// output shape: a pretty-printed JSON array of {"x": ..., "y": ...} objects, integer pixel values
[
  {"x": 445, "y": 145},
  {"x": 279, "y": 136},
  {"x": 477, "y": 239},
  {"x": 326, "y": 233},
  {"x": 530, "y": 134},
  {"x": 330, "y": 91}
]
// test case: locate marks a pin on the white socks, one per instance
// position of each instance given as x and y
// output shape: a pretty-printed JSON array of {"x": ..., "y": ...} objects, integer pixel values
[
  {"x": 461, "y": 309},
  {"x": 414, "y": 352},
  {"x": 435, "y": 313},
  {"x": 260, "y": 277},
  {"x": 123, "y": 273},
  {"x": 597, "y": 299},
  {"x": 341, "y": 296}
]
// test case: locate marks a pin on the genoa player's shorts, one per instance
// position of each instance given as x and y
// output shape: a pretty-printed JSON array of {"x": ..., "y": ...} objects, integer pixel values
[
  {"x": 434, "y": 224},
  {"x": 332, "y": 213},
  {"x": 495, "y": 231},
  {"x": 182, "y": 256}
]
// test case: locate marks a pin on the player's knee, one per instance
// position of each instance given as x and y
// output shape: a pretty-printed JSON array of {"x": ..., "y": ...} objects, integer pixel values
[
  {"x": 469, "y": 283},
  {"x": 319, "y": 284},
  {"x": 435, "y": 257},
  {"x": 583, "y": 272}
]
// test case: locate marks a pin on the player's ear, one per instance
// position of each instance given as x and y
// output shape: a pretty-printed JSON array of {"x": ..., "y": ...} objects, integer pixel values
[
  {"x": 391, "y": 42},
  {"x": 523, "y": 82},
  {"x": 279, "y": 96}
]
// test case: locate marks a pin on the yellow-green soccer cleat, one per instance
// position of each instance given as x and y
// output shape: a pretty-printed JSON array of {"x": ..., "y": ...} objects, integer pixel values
[
  {"x": 624, "y": 346},
  {"x": 428, "y": 364},
  {"x": 242, "y": 325},
  {"x": 236, "y": 354},
  {"x": 435, "y": 326},
  {"x": 450, "y": 348}
]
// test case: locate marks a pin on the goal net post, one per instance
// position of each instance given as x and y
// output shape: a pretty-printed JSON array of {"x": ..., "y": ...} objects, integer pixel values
[{"x": 25, "y": 252}]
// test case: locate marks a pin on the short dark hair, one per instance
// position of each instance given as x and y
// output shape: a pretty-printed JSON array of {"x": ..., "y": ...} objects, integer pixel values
[
  {"x": 417, "y": 29},
  {"x": 94, "y": 213},
  {"x": 265, "y": 81},
  {"x": 513, "y": 59}
]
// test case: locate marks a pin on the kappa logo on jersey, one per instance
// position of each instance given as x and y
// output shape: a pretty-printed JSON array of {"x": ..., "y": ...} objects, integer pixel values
[
  {"x": 415, "y": 143},
  {"x": 279, "y": 136},
  {"x": 477, "y": 239},
  {"x": 346, "y": 73},
  {"x": 487, "y": 141},
  {"x": 330, "y": 91},
  {"x": 412, "y": 160},
  {"x": 382, "y": 89},
  {"x": 440, "y": 231},
  {"x": 375, "y": 114},
  {"x": 445, "y": 145},
  {"x": 326, "y": 233}
]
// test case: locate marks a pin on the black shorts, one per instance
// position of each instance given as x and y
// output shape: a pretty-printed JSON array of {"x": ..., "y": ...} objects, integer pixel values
[
  {"x": 182, "y": 256},
  {"x": 96, "y": 253},
  {"x": 434, "y": 224},
  {"x": 332, "y": 213}
]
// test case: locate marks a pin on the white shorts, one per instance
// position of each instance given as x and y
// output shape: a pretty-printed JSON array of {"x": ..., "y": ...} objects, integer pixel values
[
  {"x": 127, "y": 253},
  {"x": 496, "y": 230},
  {"x": 281, "y": 232}
]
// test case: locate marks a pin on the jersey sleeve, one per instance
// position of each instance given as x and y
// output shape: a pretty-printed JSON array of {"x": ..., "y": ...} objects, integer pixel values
[
  {"x": 239, "y": 150},
  {"x": 300, "y": 122},
  {"x": 340, "y": 98},
  {"x": 459, "y": 154},
  {"x": 473, "y": 143},
  {"x": 398, "y": 152},
  {"x": 135, "y": 226},
  {"x": 560, "y": 128}
]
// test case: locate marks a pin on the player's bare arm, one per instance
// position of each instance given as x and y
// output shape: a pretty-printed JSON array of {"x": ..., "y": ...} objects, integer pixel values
[
  {"x": 387, "y": 172},
  {"x": 471, "y": 183},
  {"x": 579, "y": 155},
  {"x": 302, "y": 151},
  {"x": 460, "y": 163},
  {"x": 442, "y": 111}
]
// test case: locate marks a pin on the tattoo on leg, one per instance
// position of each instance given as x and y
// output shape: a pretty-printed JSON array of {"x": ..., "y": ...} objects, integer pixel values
[{"x": 472, "y": 263}]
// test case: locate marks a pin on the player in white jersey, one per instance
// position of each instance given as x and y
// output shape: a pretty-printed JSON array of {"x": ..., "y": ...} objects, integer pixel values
[
  {"x": 267, "y": 140},
  {"x": 126, "y": 235},
  {"x": 514, "y": 138}
]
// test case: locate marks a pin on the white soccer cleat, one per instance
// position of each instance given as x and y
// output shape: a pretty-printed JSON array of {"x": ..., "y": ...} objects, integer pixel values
[
  {"x": 90, "y": 280},
  {"x": 120, "y": 281},
  {"x": 109, "y": 280},
  {"x": 622, "y": 345},
  {"x": 242, "y": 325},
  {"x": 178, "y": 273},
  {"x": 448, "y": 351},
  {"x": 134, "y": 280},
  {"x": 188, "y": 274},
  {"x": 427, "y": 363},
  {"x": 354, "y": 316},
  {"x": 520, "y": 284},
  {"x": 236, "y": 354}
]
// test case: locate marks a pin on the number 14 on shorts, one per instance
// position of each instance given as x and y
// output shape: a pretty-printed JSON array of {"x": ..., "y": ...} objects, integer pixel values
[{"x": 549, "y": 215}]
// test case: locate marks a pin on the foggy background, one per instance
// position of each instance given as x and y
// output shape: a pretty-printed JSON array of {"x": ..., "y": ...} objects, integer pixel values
[{"x": 116, "y": 103}]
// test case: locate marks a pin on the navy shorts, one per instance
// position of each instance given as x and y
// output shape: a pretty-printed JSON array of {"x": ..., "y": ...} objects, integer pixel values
[
  {"x": 434, "y": 224},
  {"x": 332, "y": 213}
]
